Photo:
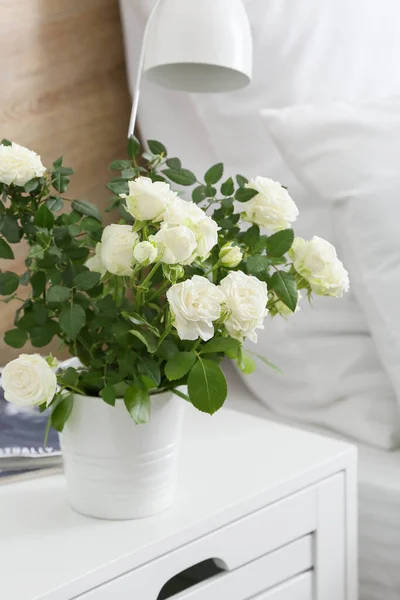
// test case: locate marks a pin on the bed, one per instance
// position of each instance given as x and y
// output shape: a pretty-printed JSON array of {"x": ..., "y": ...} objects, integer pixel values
[{"x": 308, "y": 52}]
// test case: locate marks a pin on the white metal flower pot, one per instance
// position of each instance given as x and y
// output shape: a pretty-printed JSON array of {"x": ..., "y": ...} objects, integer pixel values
[{"x": 116, "y": 469}]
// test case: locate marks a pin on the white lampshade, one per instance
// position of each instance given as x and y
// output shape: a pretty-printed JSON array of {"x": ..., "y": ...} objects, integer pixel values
[{"x": 200, "y": 46}]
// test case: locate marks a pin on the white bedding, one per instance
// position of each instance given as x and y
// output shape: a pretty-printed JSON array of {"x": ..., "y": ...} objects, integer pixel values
[{"x": 379, "y": 504}]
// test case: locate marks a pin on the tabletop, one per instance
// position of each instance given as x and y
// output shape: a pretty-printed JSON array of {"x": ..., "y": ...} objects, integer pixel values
[{"x": 231, "y": 464}]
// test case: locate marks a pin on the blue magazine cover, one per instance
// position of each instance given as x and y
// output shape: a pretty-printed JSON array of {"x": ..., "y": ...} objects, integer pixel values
[{"x": 21, "y": 439}]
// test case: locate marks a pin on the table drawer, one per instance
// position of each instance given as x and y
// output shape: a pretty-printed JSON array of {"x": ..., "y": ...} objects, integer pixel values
[
  {"x": 298, "y": 588},
  {"x": 232, "y": 547},
  {"x": 247, "y": 581}
]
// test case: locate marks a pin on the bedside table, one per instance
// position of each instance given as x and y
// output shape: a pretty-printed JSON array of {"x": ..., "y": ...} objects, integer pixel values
[{"x": 263, "y": 512}]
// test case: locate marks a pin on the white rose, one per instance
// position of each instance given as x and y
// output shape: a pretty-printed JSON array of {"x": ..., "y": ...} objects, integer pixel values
[
  {"x": 316, "y": 260},
  {"x": 246, "y": 299},
  {"x": 203, "y": 226},
  {"x": 147, "y": 200},
  {"x": 94, "y": 263},
  {"x": 284, "y": 310},
  {"x": 230, "y": 256},
  {"x": 195, "y": 305},
  {"x": 19, "y": 165},
  {"x": 116, "y": 253},
  {"x": 145, "y": 253},
  {"x": 29, "y": 381},
  {"x": 272, "y": 208},
  {"x": 177, "y": 245}
]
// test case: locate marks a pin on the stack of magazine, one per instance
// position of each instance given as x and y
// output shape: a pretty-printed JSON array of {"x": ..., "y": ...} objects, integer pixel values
[{"x": 21, "y": 441}]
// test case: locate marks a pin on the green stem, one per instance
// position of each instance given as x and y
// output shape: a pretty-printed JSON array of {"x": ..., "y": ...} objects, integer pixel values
[
  {"x": 215, "y": 275},
  {"x": 70, "y": 387},
  {"x": 196, "y": 344},
  {"x": 150, "y": 275},
  {"x": 159, "y": 291},
  {"x": 168, "y": 328},
  {"x": 181, "y": 394},
  {"x": 217, "y": 264}
]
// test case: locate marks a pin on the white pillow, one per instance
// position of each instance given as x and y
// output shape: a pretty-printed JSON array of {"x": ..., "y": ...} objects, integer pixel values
[
  {"x": 349, "y": 156},
  {"x": 304, "y": 51}
]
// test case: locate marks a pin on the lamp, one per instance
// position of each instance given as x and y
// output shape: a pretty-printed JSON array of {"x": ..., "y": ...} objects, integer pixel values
[{"x": 195, "y": 46}]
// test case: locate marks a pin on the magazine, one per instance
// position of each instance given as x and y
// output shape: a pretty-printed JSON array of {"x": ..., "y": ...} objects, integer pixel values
[{"x": 21, "y": 440}]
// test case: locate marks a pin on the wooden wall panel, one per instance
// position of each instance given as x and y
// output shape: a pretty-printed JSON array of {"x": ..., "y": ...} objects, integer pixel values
[{"x": 63, "y": 91}]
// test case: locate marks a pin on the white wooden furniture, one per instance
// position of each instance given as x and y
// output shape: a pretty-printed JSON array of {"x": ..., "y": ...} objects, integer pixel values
[{"x": 275, "y": 507}]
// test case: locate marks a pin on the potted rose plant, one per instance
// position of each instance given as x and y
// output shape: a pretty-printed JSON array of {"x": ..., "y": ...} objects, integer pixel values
[{"x": 149, "y": 306}]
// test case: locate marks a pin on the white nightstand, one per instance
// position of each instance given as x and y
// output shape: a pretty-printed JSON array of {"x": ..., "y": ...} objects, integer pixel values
[{"x": 275, "y": 506}]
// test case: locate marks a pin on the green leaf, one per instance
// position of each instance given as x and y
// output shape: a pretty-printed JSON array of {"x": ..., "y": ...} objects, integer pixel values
[
  {"x": 150, "y": 368},
  {"x": 74, "y": 229},
  {"x": 57, "y": 294},
  {"x": 167, "y": 349},
  {"x": 137, "y": 319},
  {"x": 214, "y": 174},
  {"x": 210, "y": 191},
  {"x": 73, "y": 217},
  {"x": 246, "y": 364},
  {"x": 10, "y": 229},
  {"x": 241, "y": 181},
  {"x": 120, "y": 165},
  {"x": 222, "y": 344},
  {"x": 41, "y": 313},
  {"x": 69, "y": 377},
  {"x": 9, "y": 283},
  {"x": 182, "y": 177},
  {"x": 83, "y": 207},
  {"x": 207, "y": 386},
  {"x": 42, "y": 335},
  {"x": 38, "y": 283},
  {"x": 266, "y": 361},
  {"x": 86, "y": 280},
  {"x": 128, "y": 173},
  {"x": 179, "y": 365},
  {"x": 59, "y": 182},
  {"x": 31, "y": 185},
  {"x": 65, "y": 170},
  {"x": 62, "y": 412},
  {"x": 119, "y": 187},
  {"x": 245, "y": 194},
  {"x": 44, "y": 217},
  {"x": 25, "y": 278},
  {"x": 285, "y": 287},
  {"x": 133, "y": 146},
  {"x": 5, "y": 250},
  {"x": 251, "y": 236},
  {"x": 15, "y": 338},
  {"x": 174, "y": 163},
  {"x": 280, "y": 243},
  {"x": 157, "y": 147},
  {"x": 108, "y": 394},
  {"x": 257, "y": 264},
  {"x": 228, "y": 187},
  {"x": 5, "y": 142},
  {"x": 90, "y": 224},
  {"x": 54, "y": 203},
  {"x": 137, "y": 402},
  {"x": 57, "y": 163},
  {"x": 147, "y": 338},
  {"x": 72, "y": 319},
  {"x": 36, "y": 252},
  {"x": 199, "y": 194}
]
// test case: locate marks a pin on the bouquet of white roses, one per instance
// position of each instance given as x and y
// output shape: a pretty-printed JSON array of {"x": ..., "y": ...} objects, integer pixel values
[{"x": 156, "y": 301}]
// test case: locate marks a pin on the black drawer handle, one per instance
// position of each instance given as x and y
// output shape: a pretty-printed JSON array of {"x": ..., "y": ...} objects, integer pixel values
[{"x": 207, "y": 569}]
